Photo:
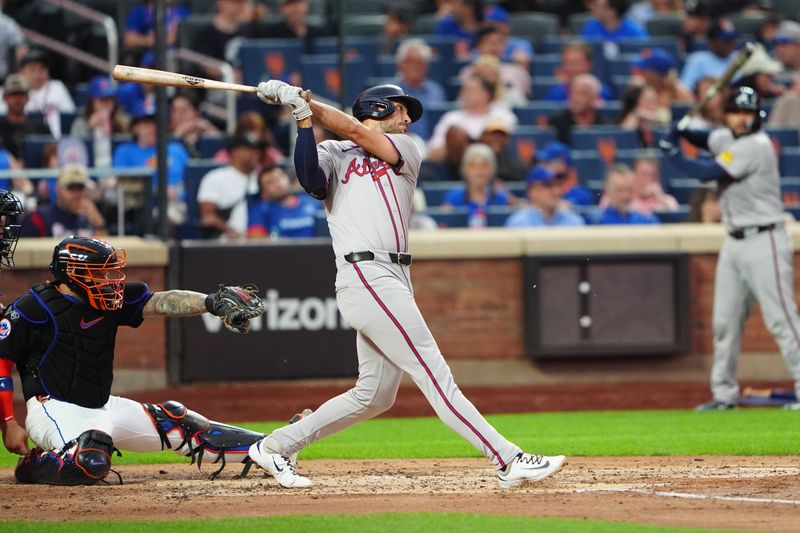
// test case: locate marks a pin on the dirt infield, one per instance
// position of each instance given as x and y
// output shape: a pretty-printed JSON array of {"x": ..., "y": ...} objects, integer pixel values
[{"x": 752, "y": 493}]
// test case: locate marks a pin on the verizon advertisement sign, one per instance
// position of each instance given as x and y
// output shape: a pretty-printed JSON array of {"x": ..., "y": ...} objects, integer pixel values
[{"x": 301, "y": 334}]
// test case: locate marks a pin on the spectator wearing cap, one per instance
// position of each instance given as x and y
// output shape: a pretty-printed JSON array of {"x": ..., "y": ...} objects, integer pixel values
[
  {"x": 15, "y": 125},
  {"x": 759, "y": 73},
  {"x": 73, "y": 213},
  {"x": 608, "y": 22},
  {"x": 557, "y": 156},
  {"x": 545, "y": 206},
  {"x": 279, "y": 211},
  {"x": 515, "y": 49},
  {"x": 584, "y": 98},
  {"x": 657, "y": 68},
  {"x": 576, "y": 59},
  {"x": 222, "y": 195},
  {"x": 619, "y": 187},
  {"x": 399, "y": 19},
  {"x": 186, "y": 123},
  {"x": 463, "y": 21},
  {"x": 721, "y": 37},
  {"x": 513, "y": 81},
  {"x": 479, "y": 192},
  {"x": 497, "y": 136},
  {"x": 786, "y": 44},
  {"x": 294, "y": 25},
  {"x": 45, "y": 93},
  {"x": 141, "y": 152},
  {"x": 413, "y": 60},
  {"x": 460, "y": 127},
  {"x": 102, "y": 117},
  {"x": 12, "y": 42}
]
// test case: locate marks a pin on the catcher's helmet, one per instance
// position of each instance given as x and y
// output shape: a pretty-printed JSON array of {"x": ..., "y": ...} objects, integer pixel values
[
  {"x": 93, "y": 269},
  {"x": 376, "y": 102},
  {"x": 744, "y": 98},
  {"x": 10, "y": 211}
]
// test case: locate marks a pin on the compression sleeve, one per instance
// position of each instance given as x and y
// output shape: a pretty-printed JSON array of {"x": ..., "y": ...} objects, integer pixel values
[
  {"x": 698, "y": 138},
  {"x": 702, "y": 170},
  {"x": 6, "y": 390},
  {"x": 306, "y": 164}
]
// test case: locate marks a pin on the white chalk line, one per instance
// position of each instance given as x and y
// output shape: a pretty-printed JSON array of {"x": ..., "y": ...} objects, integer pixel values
[{"x": 693, "y": 496}]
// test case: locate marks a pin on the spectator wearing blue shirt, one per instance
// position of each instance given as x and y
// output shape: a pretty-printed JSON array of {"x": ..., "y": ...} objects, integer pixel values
[
  {"x": 413, "y": 59},
  {"x": 576, "y": 59},
  {"x": 478, "y": 169},
  {"x": 464, "y": 20},
  {"x": 609, "y": 24},
  {"x": 721, "y": 37},
  {"x": 557, "y": 156},
  {"x": 141, "y": 152},
  {"x": 140, "y": 28},
  {"x": 544, "y": 195},
  {"x": 619, "y": 192},
  {"x": 279, "y": 212},
  {"x": 515, "y": 49}
]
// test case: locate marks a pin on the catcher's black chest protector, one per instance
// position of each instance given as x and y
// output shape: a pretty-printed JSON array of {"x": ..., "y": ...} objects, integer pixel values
[{"x": 72, "y": 357}]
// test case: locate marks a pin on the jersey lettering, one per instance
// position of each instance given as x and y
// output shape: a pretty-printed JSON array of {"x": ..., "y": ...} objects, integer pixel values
[{"x": 375, "y": 167}]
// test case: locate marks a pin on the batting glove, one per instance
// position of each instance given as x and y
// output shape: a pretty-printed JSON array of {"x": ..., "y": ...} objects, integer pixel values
[
  {"x": 290, "y": 95},
  {"x": 268, "y": 91}
]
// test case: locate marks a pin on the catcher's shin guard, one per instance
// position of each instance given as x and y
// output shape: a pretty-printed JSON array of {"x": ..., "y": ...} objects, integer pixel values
[
  {"x": 200, "y": 436},
  {"x": 82, "y": 461}
]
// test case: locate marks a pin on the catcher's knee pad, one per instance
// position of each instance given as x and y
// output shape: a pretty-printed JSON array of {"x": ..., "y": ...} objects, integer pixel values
[
  {"x": 82, "y": 461},
  {"x": 200, "y": 436}
]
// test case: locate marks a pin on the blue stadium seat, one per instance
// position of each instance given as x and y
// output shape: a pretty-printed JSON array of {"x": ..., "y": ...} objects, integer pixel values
[
  {"x": 545, "y": 65},
  {"x": 363, "y": 47},
  {"x": 193, "y": 175},
  {"x": 786, "y": 137},
  {"x": 668, "y": 43},
  {"x": 321, "y": 75},
  {"x": 790, "y": 191},
  {"x": 517, "y": 188},
  {"x": 673, "y": 217},
  {"x": 433, "y": 171},
  {"x": 321, "y": 228},
  {"x": 32, "y": 149},
  {"x": 540, "y": 86},
  {"x": 682, "y": 188},
  {"x": 526, "y": 139},
  {"x": 434, "y": 192},
  {"x": 610, "y": 111},
  {"x": 621, "y": 65},
  {"x": 496, "y": 216},
  {"x": 455, "y": 218},
  {"x": 444, "y": 47},
  {"x": 587, "y": 138},
  {"x": 262, "y": 59},
  {"x": 533, "y": 25},
  {"x": 209, "y": 145},
  {"x": 790, "y": 161},
  {"x": 529, "y": 114}
]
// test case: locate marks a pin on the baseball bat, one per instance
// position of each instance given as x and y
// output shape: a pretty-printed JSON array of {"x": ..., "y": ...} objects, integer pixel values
[
  {"x": 722, "y": 81},
  {"x": 175, "y": 79}
]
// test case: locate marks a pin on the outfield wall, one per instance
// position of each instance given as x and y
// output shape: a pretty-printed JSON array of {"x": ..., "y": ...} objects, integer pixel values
[{"x": 469, "y": 286}]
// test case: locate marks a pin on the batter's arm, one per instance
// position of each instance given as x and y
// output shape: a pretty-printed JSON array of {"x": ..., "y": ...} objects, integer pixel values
[{"x": 374, "y": 142}]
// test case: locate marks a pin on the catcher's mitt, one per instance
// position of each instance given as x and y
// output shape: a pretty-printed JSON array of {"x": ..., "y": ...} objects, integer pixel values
[{"x": 235, "y": 306}]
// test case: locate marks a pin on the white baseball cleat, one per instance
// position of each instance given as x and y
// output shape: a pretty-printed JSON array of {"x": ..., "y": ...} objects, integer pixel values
[
  {"x": 278, "y": 465},
  {"x": 530, "y": 468}
]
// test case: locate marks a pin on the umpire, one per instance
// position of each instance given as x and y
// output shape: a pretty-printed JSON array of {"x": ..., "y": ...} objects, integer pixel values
[{"x": 756, "y": 260}]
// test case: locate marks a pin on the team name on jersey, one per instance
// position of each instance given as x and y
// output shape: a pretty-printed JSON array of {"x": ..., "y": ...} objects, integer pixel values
[{"x": 361, "y": 166}]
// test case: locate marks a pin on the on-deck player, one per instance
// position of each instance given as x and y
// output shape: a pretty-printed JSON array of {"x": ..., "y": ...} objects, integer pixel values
[
  {"x": 61, "y": 335},
  {"x": 756, "y": 259},
  {"x": 367, "y": 183}
]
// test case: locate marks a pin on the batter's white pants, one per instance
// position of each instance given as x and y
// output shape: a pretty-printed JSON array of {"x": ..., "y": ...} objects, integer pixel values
[
  {"x": 53, "y": 423},
  {"x": 757, "y": 268},
  {"x": 376, "y": 299}
]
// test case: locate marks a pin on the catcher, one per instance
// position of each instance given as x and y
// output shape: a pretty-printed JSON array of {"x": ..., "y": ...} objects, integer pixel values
[{"x": 61, "y": 336}]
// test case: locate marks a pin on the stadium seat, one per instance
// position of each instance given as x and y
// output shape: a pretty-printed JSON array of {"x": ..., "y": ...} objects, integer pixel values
[
  {"x": 621, "y": 65},
  {"x": 533, "y": 25},
  {"x": 32, "y": 149},
  {"x": 264, "y": 59},
  {"x": 364, "y": 7},
  {"x": 635, "y": 46},
  {"x": 786, "y": 137},
  {"x": 321, "y": 228},
  {"x": 545, "y": 65},
  {"x": 320, "y": 73},
  {"x": 449, "y": 50},
  {"x": 682, "y": 188},
  {"x": 209, "y": 145},
  {"x": 666, "y": 24},
  {"x": 790, "y": 191},
  {"x": 517, "y": 188},
  {"x": 364, "y": 25},
  {"x": 434, "y": 192},
  {"x": 590, "y": 138},
  {"x": 425, "y": 24},
  {"x": 454, "y": 218},
  {"x": 577, "y": 21},
  {"x": 363, "y": 47},
  {"x": 541, "y": 85},
  {"x": 534, "y": 112},
  {"x": 496, "y": 216},
  {"x": 610, "y": 111},
  {"x": 196, "y": 169},
  {"x": 790, "y": 161},
  {"x": 433, "y": 171},
  {"x": 673, "y": 217},
  {"x": 526, "y": 139}
]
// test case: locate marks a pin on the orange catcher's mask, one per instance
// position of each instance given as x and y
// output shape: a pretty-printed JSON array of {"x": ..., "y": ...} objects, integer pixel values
[{"x": 93, "y": 269}]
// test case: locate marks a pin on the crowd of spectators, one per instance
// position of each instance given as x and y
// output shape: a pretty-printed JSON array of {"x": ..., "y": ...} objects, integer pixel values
[{"x": 503, "y": 106}]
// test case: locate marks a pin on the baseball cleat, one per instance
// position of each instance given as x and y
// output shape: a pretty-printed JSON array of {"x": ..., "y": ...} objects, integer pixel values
[
  {"x": 794, "y": 406},
  {"x": 530, "y": 468},
  {"x": 715, "y": 405},
  {"x": 278, "y": 465}
]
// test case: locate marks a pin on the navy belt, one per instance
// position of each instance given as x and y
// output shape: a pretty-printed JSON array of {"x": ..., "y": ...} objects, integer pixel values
[
  {"x": 752, "y": 230},
  {"x": 400, "y": 259}
]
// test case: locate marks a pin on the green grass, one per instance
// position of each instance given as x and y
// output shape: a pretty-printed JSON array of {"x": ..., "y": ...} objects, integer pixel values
[
  {"x": 379, "y": 523},
  {"x": 607, "y": 433}
]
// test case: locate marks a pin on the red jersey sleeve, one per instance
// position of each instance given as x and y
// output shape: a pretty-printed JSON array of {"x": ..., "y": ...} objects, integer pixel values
[{"x": 6, "y": 390}]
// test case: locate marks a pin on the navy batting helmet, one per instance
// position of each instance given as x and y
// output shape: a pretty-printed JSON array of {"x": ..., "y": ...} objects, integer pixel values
[
  {"x": 377, "y": 102},
  {"x": 744, "y": 98}
]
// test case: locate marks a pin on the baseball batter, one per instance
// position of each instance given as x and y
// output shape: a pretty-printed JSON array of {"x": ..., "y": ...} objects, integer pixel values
[
  {"x": 61, "y": 336},
  {"x": 367, "y": 183},
  {"x": 755, "y": 262}
]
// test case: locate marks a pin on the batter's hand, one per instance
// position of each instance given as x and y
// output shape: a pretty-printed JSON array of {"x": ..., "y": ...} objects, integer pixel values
[
  {"x": 268, "y": 91},
  {"x": 15, "y": 438},
  {"x": 293, "y": 97}
]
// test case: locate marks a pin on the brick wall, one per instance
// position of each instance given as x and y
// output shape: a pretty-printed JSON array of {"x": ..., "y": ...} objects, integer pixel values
[{"x": 143, "y": 348}]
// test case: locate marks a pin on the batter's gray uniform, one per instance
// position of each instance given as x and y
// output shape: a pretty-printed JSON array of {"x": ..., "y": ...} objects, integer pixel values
[
  {"x": 369, "y": 206},
  {"x": 755, "y": 263}
]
